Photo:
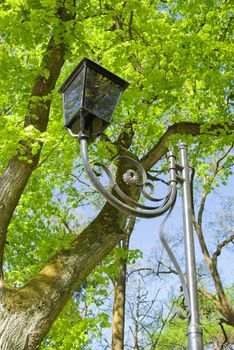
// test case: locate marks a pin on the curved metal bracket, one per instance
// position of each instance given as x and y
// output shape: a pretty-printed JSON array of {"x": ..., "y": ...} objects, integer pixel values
[
  {"x": 126, "y": 204},
  {"x": 176, "y": 266},
  {"x": 131, "y": 177}
]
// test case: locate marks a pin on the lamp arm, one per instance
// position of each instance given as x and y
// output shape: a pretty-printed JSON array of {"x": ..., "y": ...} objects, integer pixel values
[
  {"x": 176, "y": 266},
  {"x": 148, "y": 212}
]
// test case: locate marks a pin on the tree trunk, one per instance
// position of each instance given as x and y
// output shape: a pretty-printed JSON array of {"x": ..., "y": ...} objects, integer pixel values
[
  {"x": 20, "y": 329},
  {"x": 119, "y": 307},
  {"x": 28, "y": 313},
  {"x": 18, "y": 172},
  {"x": 118, "y": 323},
  {"x": 136, "y": 324}
]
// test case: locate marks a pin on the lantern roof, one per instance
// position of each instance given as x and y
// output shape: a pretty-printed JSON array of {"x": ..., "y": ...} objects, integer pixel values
[{"x": 93, "y": 65}]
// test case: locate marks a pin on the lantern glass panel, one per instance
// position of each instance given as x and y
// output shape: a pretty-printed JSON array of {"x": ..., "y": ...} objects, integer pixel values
[
  {"x": 90, "y": 95},
  {"x": 101, "y": 95},
  {"x": 72, "y": 98}
]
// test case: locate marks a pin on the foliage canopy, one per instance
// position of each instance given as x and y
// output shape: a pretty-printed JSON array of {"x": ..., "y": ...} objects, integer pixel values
[{"x": 178, "y": 58}]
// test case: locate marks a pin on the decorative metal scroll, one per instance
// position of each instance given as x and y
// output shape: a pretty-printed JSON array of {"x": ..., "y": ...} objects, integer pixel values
[
  {"x": 134, "y": 176},
  {"x": 131, "y": 177},
  {"x": 137, "y": 176}
]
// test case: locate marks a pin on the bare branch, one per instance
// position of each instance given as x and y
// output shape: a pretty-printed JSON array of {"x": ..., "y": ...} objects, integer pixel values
[
  {"x": 224, "y": 334},
  {"x": 153, "y": 271},
  {"x": 221, "y": 303},
  {"x": 156, "y": 178},
  {"x": 163, "y": 325},
  {"x": 209, "y": 296},
  {"x": 218, "y": 167},
  {"x": 169, "y": 268},
  {"x": 221, "y": 245},
  {"x": 50, "y": 152}
]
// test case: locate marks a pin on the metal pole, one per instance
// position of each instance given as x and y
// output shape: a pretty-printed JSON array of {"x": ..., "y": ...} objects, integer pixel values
[{"x": 194, "y": 332}]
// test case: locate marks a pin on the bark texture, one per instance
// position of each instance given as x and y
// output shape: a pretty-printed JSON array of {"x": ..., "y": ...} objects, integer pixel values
[
  {"x": 17, "y": 173},
  {"x": 119, "y": 307},
  {"x": 118, "y": 323},
  {"x": 27, "y": 314}
]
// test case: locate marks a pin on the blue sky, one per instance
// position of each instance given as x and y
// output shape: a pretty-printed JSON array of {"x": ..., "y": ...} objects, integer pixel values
[{"x": 146, "y": 233}]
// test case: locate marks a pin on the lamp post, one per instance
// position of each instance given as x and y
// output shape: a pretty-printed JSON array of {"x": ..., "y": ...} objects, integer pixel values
[{"x": 90, "y": 95}]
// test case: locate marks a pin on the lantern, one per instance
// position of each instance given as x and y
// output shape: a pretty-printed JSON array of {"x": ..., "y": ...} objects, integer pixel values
[{"x": 90, "y": 95}]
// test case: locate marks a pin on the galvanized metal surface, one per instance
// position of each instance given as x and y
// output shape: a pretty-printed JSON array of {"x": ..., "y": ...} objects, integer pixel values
[
  {"x": 194, "y": 331},
  {"x": 179, "y": 173}
]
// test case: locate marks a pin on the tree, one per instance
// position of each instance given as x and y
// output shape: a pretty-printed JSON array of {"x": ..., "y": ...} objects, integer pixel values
[
  {"x": 211, "y": 175},
  {"x": 119, "y": 283},
  {"x": 154, "y": 316},
  {"x": 178, "y": 59}
]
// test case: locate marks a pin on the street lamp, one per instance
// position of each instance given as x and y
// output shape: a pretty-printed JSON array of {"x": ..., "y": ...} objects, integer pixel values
[{"x": 90, "y": 95}]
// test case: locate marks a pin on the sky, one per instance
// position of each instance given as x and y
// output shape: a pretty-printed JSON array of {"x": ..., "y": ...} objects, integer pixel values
[
  {"x": 146, "y": 233},
  {"x": 146, "y": 238}
]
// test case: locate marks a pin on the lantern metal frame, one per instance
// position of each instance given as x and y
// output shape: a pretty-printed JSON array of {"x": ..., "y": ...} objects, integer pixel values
[
  {"x": 179, "y": 175},
  {"x": 84, "y": 114}
]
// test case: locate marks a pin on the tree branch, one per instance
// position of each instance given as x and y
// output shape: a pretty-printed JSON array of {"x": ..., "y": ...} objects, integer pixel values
[
  {"x": 211, "y": 297},
  {"x": 222, "y": 303},
  {"x": 183, "y": 128},
  {"x": 18, "y": 171},
  {"x": 45, "y": 294},
  {"x": 221, "y": 245},
  {"x": 154, "y": 272},
  {"x": 225, "y": 309}
]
